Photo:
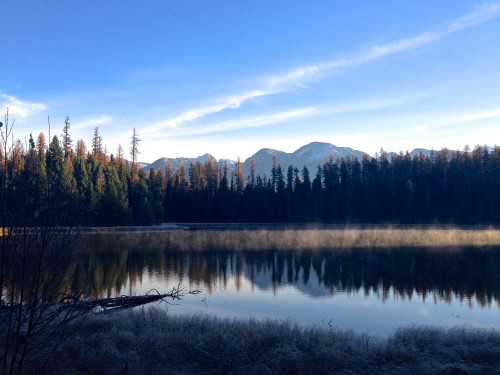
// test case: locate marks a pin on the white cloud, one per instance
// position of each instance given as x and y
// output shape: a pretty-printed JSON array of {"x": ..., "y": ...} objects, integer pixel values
[
  {"x": 196, "y": 113},
  {"x": 482, "y": 15},
  {"x": 378, "y": 51},
  {"x": 20, "y": 108},
  {"x": 90, "y": 123},
  {"x": 244, "y": 123},
  {"x": 459, "y": 118},
  {"x": 301, "y": 75},
  {"x": 369, "y": 105}
]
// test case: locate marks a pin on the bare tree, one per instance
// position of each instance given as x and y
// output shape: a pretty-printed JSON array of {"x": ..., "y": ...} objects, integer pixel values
[
  {"x": 36, "y": 264},
  {"x": 119, "y": 153}
]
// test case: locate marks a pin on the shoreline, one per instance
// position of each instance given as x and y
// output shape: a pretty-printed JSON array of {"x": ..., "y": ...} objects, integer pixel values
[{"x": 281, "y": 226}]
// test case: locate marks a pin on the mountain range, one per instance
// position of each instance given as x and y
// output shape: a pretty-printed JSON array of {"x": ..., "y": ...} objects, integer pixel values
[{"x": 310, "y": 155}]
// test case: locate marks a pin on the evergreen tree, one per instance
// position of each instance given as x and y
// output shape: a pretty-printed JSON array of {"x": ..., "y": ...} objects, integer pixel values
[
  {"x": 210, "y": 174},
  {"x": 223, "y": 184},
  {"x": 332, "y": 188},
  {"x": 196, "y": 182},
  {"x": 97, "y": 150},
  {"x": 253, "y": 169},
  {"x": 66, "y": 138},
  {"x": 17, "y": 160},
  {"x": 85, "y": 188},
  {"x": 81, "y": 149},
  {"x": 41, "y": 145},
  {"x": 113, "y": 204},
  {"x": 55, "y": 161},
  {"x": 317, "y": 195},
  {"x": 239, "y": 179},
  {"x": 134, "y": 152}
]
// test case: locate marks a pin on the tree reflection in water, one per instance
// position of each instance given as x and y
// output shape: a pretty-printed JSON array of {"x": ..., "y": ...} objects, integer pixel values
[{"x": 467, "y": 273}]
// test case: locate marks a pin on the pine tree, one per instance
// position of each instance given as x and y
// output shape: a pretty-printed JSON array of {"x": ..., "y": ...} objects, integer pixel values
[
  {"x": 240, "y": 181},
  {"x": 180, "y": 177},
  {"x": 84, "y": 186},
  {"x": 55, "y": 160},
  {"x": 17, "y": 161},
  {"x": 41, "y": 145},
  {"x": 81, "y": 150},
  {"x": 66, "y": 138},
  {"x": 195, "y": 176},
  {"x": 97, "y": 145},
  {"x": 223, "y": 184},
  {"x": 134, "y": 151},
  {"x": 274, "y": 173},
  {"x": 210, "y": 172},
  {"x": 253, "y": 169},
  {"x": 68, "y": 182}
]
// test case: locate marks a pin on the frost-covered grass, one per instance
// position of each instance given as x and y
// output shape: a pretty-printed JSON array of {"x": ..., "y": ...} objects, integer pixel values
[{"x": 153, "y": 342}]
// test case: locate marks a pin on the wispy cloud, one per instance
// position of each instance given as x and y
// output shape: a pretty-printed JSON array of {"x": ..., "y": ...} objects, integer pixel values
[
  {"x": 245, "y": 123},
  {"x": 460, "y": 118},
  {"x": 90, "y": 123},
  {"x": 20, "y": 108},
  {"x": 297, "y": 77},
  {"x": 304, "y": 74},
  {"x": 196, "y": 113},
  {"x": 301, "y": 75},
  {"x": 369, "y": 104},
  {"x": 484, "y": 14}
]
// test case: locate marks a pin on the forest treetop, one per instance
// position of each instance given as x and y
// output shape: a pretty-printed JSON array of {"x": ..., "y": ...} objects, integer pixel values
[{"x": 104, "y": 189}]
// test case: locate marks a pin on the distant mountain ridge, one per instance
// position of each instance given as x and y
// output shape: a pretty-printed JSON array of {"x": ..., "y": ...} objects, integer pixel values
[
  {"x": 310, "y": 155},
  {"x": 176, "y": 162}
]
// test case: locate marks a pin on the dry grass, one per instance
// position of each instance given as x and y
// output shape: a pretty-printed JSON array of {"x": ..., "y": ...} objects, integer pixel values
[{"x": 152, "y": 342}]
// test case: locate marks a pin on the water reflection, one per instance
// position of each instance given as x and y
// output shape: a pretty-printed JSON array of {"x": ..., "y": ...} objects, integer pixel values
[{"x": 469, "y": 274}]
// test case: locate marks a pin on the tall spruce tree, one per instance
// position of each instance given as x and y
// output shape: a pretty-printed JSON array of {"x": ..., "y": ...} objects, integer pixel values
[
  {"x": 66, "y": 138},
  {"x": 97, "y": 150},
  {"x": 134, "y": 152}
]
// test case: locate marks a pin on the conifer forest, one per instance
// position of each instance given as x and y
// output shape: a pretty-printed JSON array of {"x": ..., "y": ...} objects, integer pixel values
[{"x": 102, "y": 189}]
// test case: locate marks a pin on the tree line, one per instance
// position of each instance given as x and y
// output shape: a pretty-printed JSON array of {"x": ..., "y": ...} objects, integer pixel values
[
  {"x": 449, "y": 187},
  {"x": 456, "y": 187}
]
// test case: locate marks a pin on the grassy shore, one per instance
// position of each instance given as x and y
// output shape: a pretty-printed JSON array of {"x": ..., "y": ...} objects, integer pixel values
[{"x": 153, "y": 342}]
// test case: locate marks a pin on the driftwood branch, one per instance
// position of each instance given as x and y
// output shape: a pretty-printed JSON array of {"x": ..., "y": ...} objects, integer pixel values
[
  {"x": 109, "y": 304},
  {"x": 125, "y": 302}
]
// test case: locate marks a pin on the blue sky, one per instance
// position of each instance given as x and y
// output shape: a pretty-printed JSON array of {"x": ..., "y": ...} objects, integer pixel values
[{"x": 229, "y": 78}]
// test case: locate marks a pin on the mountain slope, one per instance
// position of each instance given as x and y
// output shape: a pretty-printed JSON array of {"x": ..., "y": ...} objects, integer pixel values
[{"x": 311, "y": 155}]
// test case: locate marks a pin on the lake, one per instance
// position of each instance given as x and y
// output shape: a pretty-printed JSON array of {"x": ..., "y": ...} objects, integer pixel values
[{"x": 368, "y": 280}]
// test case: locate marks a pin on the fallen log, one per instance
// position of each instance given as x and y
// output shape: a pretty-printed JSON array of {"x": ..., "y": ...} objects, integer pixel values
[
  {"x": 105, "y": 304},
  {"x": 125, "y": 302}
]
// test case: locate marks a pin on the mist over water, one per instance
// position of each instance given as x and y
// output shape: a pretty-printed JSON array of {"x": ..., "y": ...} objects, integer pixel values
[{"x": 317, "y": 276}]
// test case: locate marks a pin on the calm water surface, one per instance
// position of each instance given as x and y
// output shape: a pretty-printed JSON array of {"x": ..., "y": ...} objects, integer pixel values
[{"x": 369, "y": 290}]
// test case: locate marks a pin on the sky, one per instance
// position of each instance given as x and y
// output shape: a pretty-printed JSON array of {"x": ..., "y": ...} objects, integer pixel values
[{"x": 231, "y": 77}]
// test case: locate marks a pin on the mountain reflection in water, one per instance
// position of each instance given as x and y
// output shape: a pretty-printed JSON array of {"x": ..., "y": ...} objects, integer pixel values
[
  {"x": 469, "y": 274},
  {"x": 369, "y": 280}
]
